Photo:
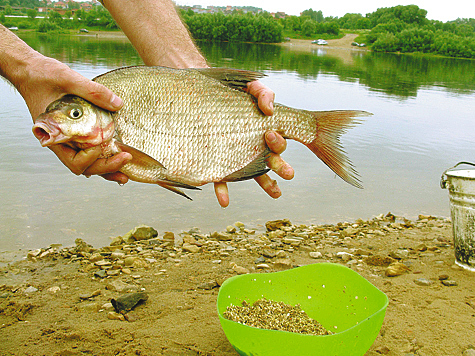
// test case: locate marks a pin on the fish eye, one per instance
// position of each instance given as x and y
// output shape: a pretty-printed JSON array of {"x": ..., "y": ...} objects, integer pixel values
[{"x": 75, "y": 113}]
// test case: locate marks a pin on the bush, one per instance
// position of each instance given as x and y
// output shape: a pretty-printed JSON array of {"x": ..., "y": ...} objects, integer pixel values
[
  {"x": 386, "y": 42},
  {"x": 47, "y": 25}
]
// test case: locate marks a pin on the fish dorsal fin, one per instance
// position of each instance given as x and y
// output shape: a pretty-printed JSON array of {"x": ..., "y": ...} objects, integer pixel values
[
  {"x": 234, "y": 78},
  {"x": 254, "y": 169}
]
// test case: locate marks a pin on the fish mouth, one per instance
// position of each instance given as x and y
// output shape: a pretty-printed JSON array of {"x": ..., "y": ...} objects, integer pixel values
[{"x": 49, "y": 133}]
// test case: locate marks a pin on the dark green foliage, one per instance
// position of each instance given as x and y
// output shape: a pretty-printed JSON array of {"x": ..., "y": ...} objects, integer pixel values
[
  {"x": 406, "y": 29},
  {"x": 238, "y": 27},
  {"x": 354, "y": 22},
  {"x": 314, "y": 15}
]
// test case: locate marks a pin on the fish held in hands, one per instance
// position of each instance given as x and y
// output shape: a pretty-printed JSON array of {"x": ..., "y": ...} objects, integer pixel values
[{"x": 188, "y": 127}]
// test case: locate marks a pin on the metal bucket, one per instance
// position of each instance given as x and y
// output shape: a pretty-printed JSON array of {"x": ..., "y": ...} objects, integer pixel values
[{"x": 461, "y": 186}]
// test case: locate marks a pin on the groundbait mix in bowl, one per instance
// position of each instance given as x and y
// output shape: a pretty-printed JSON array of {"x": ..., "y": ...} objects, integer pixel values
[{"x": 272, "y": 315}]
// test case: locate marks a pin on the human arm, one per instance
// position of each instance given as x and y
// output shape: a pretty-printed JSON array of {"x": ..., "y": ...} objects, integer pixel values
[
  {"x": 40, "y": 80},
  {"x": 161, "y": 39}
]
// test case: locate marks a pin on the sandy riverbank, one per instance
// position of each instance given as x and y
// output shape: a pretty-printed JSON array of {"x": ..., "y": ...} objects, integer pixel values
[{"x": 57, "y": 302}]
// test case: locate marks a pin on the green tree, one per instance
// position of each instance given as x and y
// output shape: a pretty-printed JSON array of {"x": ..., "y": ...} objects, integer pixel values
[
  {"x": 31, "y": 13},
  {"x": 308, "y": 28},
  {"x": 314, "y": 15},
  {"x": 55, "y": 17}
]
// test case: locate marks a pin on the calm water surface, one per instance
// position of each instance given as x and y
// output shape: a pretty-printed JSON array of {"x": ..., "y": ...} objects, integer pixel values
[{"x": 423, "y": 123}]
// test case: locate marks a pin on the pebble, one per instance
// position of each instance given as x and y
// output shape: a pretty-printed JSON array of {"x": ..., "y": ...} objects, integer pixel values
[
  {"x": 208, "y": 285},
  {"x": 345, "y": 256},
  {"x": 231, "y": 229},
  {"x": 262, "y": 266},
  {"x": 399, "y": 254},
  {"x": 53, "y": 289},
  {"x": 33, "y": 253},
  {"x": 449, "y": 283},
  {"x": 140, "y": 233},
  {"x": 119, "y": 286},
  {"x": 239, "y": 225},
  {"x": 469, "y": 352},
  {"x": 90, "y": 295},
  {"x": 267, "y": 252},
  {"x": 221, "y": 236},
  {"x": 107, "y": 306},
  {"x": 316, "y": 254},
  {"x": 30, "y": 289},
  {"x": 169, "y": 236},
  {"x": 383, "y": 350},
  {"x": 259, "y": 259},
  {"x": 100, "y": 274},
  {"x": 283, "y": 263},
  {"x": 396, "y": 269},
  {"x": 117, "y": 255},
  {"x": 131, "y": 317},
  {"x": 239, "y": 269},
  {"x": 277, "y": 224},
  {"x": 115, "y": 316},
  {"x": 423, "y": 282},
  {"x": 95, "y": 257},
  {"x": 102, "y": 263},
  {"x": 89, "y": 307}
]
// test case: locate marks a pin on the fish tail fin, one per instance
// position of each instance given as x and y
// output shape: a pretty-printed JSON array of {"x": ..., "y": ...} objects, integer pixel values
[{"x": 326, "y": 145}]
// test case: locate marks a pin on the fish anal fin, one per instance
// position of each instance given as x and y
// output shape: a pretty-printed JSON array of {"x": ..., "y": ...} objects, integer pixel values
[
  {"x": 234, "y": 78},
  {"x": 175, "y": 189},
  {"x": 254, "y": 169}
]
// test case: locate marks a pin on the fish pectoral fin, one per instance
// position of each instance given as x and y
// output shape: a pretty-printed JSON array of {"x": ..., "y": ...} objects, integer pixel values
[
  {"x": 150, "y": 164},
  {"x": 234, "y": 78},
  {"x": 254, "y": 169},
  {"x": 138, "y": 157}
]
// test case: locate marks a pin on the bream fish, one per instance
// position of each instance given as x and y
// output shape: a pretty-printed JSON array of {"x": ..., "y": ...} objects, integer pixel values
[{"x": 188, "y": 127}]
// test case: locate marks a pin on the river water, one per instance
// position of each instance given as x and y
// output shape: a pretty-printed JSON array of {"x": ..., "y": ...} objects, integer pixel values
[{"x": 423, "y": 123}]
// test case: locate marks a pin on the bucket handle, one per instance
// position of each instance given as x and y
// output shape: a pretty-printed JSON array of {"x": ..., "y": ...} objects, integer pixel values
[{"x": 443, "y": 178}]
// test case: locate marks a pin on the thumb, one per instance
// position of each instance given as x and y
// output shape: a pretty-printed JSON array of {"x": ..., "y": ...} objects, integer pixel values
[{"x": 96, "y": 93}]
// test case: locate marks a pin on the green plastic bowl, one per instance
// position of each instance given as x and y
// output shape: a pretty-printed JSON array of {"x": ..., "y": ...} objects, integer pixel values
[{"x": 337, "y": 297}]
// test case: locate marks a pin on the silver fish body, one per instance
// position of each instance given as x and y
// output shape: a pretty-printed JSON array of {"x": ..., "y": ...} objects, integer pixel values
[{"x": 195, "y": 126}]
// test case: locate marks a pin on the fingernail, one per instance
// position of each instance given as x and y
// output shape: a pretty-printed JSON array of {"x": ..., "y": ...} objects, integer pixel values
[
  {"x": 271, "y": 137},
  {"x": 116, "y": 101},
  {"x": 287, "y": 171}
]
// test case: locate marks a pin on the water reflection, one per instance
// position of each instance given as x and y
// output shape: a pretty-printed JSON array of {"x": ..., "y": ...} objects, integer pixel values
[{"x": 422, "y": 124}]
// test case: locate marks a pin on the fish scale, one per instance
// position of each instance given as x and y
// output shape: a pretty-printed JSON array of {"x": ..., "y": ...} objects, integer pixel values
[
  {"x": 188, "y": 127},
  {"x": 222, "y": 139}
]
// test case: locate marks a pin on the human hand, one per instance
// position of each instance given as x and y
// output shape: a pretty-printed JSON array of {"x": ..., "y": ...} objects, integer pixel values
[
  {"x": 45, "y": 80},
  {"x": 275, "y": 142}
]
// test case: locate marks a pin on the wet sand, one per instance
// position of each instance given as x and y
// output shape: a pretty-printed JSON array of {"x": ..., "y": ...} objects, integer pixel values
[{"x": 57, "y": 302}]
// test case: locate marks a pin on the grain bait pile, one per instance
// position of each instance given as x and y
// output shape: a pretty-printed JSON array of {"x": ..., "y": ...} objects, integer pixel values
[{"x": 272, "y": 315}]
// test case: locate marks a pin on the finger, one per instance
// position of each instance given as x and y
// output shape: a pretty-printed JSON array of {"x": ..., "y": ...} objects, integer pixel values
[
  {"x": 221, "y": 191},
  {"x": 279, "y": 166},
  {"x": 108, "y": 165},
  {"x": 264, "y": 95},
  {"x": 275, "y": 142},
  {"x": 93, "y": 92},
  {"x": 118, "y": 177},
  {"x": 76, "y": 161},
  {"x": 270, "y": 186}
]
